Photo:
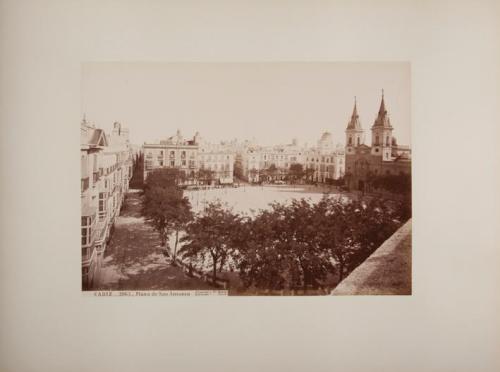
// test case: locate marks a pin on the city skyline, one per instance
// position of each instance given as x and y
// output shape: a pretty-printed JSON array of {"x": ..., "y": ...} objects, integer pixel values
[{"x": 269, "y": 102}]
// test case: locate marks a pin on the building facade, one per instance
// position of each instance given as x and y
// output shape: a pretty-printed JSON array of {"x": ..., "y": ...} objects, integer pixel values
[
  {"x": 325, "y": 162},
  {"x": 106, "y": 168},
  {"x": 201, "y": 162},
  {"x": 383, "y": 157},
  {"x": 218, "y": 162},
  {"x": 174, "y": 152}
]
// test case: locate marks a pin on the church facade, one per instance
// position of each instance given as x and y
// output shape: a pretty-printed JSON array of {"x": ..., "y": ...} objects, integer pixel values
[{"x": 383, "y": 157}]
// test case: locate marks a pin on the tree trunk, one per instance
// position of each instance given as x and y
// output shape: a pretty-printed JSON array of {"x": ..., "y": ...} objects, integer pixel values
[
  {"x": 214, "y": 271},
  {"x": 214, "y": 274},
  {"x": 174, "y": 256},
  {"x": 222, "y": 262},
  {"x": 341, "y": 270}
]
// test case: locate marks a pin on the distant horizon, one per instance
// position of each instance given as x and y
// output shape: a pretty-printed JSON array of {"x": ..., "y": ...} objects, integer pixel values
[{"x": 271, "y": 103}]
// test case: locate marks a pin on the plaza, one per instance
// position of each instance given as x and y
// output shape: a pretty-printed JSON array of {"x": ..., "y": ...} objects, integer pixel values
[{"x": 249, "y": 199}]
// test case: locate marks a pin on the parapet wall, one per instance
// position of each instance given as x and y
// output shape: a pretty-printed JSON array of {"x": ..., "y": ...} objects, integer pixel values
[{"x": 386, "y": 272}]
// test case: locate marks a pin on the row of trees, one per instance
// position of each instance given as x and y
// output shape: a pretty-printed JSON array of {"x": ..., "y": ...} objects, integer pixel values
[
  {"x": 288, "y": 246},
  {"x": 291, "y": 246},
  {"x": 137, "y": 180},
  {"x": 294, "y": 173}
]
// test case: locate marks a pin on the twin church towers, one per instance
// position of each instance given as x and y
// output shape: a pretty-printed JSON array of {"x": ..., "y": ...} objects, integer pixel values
[
  {"x": 382, "y": 140},
  {"x": 383, "y": 157}
]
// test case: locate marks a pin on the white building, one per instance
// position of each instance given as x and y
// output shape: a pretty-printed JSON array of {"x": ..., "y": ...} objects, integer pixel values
[
  {"x": 106, "y": 168},
  {"x": 325, "y": 162}
]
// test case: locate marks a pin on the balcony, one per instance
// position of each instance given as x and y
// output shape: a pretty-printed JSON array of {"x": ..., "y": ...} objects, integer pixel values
[
  {"x": 87, "y": 253},
  {"x": 100, "y": 231}
]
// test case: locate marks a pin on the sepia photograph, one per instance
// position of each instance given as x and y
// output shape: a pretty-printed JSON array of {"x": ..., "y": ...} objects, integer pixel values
[
  {"x": 261, "y": 186},
  {"x": 247, "y": 178}
]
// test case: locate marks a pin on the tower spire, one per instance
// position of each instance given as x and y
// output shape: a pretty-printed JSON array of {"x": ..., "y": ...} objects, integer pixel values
[
  {"x": 354, "y": 123},
  {"x": 382, "y": 119},
  {"x": 382, "y": 110}
]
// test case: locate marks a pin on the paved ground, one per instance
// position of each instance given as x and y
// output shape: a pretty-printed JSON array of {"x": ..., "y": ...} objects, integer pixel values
[
  {"x": 133, "y": 259},
  {"x": 248, "y": 199},
  {"x": 386, "y": 272}
]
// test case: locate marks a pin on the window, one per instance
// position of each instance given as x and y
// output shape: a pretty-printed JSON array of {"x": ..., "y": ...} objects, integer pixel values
[
  {"x": 350, "y": 140},
  {"x": 376, "y": 140},
  {"x": 183, "y": 163},
  {"x": 358, "y": 141},
  {"x": 172, "y": 163},
  {"x": 161, "y": 163},
  {"x": 183, "y": 155},
  {"x": 387, "y": 141},
  {"x": 172, "y": 154},
  {"x": 102, "y": 202},
  {"x": 86, "y": 230}
]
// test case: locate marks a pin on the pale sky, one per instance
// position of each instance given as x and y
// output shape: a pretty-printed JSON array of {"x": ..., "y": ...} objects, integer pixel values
[{"x": 271, "y": 102}]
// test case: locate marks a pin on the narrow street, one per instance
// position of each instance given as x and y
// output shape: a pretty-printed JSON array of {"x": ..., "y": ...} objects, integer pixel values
[{"x": 133, "y": 260}]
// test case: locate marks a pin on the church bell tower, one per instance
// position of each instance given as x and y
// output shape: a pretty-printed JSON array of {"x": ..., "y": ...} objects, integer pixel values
[
  {"x": 354, "y": 131},
  {"x": 382, "y": 133}
]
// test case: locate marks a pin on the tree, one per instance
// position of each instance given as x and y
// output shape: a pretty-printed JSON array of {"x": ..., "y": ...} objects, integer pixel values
[
  {"x": 296, "y": 171},
  {"x": 394, "y": 183},
  {"x": 165, "y": 177},
  {"x": 282, "y": 252},
  {"x": 159, "y": 209},
  {"x": 164, "y": 206},
  {"x": 137, "y": 180},
  {"x": 335, "y": 232},
  {"x": 309, "y": 173},
  {"x": 209, "y": 234},
  {"x": 238, "y": 169},
  {"x": 272, "y": 170},
  {"x": 181, "y": 215},
  {"x": 254, "y": 173},
  {"x": 206, "y": 175}
]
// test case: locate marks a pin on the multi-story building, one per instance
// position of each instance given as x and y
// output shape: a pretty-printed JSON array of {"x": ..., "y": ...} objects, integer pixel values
[
  {"x": 269, "y": 163},
  {"x": 106, "y": 168},
  {"x": 325, "y": 162},
  {"x": 191, "y": 156},
  {"x": 383, "y": 157},
  {"x": 280, "y": 158},
  {"x": 248, "y": 162},
  {"x": 217, "y": 159},
  {"x": 174, "y": 152}
]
